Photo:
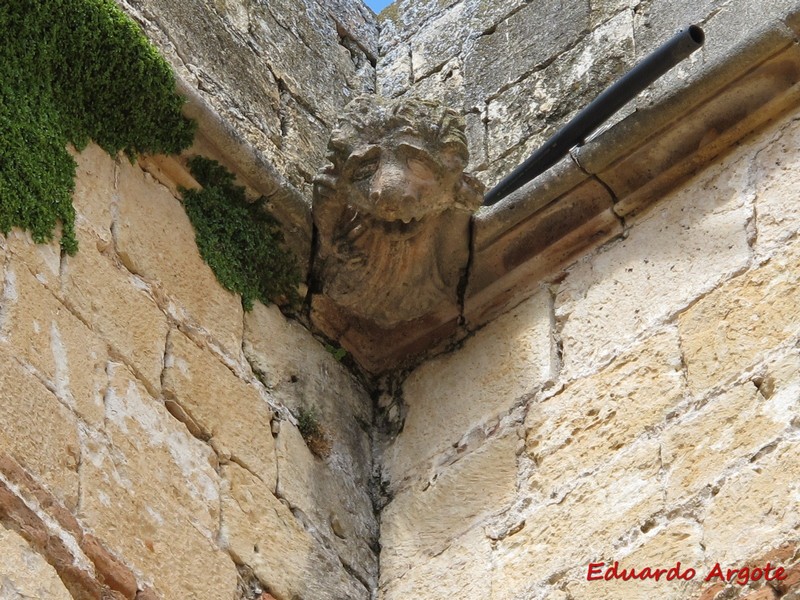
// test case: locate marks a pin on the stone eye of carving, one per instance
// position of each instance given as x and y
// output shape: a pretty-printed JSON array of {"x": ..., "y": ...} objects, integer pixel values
[
  {"x": 419, "y": 161},
  {"x": 363, "y": 163},
  {"x": 365, "y": 170},
  {"x": 422, "y": 168}
]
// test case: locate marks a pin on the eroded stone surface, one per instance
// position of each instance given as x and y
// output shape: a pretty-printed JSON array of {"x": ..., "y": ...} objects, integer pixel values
[
  {"x": 150, "y": 491},
  {"x": 25, "y": 574},
  {"x": 394, "y": 71},
  {"x": 155, "y": 240},
  {"x": 446, "y": 85},
  {"x": 295, "y": 367},
  {"x": 731, "y": 328},
  {"x": 218, "y": 406},
  {"x": 678, "y": 252},
  {"x": 473, "y": 386},
  {"x": 575, "y": 431},
  {"x": 510, "y": 51},
  {"x": 263, "y": 533},
  {"x": 534, "y": 109},
  {"x": 430, "y": 49},
  {"x": 289, "y": 67},
  {"x": 422, "y": 520}
]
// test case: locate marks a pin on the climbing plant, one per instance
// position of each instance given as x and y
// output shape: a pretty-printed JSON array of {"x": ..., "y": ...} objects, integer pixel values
[
  {"x": 73, "y": 71},
  {"x": 238, "y": 239}
]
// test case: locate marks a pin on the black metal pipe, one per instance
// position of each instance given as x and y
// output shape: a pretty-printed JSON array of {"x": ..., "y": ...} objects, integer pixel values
[{"x": 661, "y": 60}]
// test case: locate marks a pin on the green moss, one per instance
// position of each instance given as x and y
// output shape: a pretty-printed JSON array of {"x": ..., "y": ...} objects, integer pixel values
[
  {"x": 313, "y": 432},
  {"x": 73, "y": 71},
  {"x": 338, "y": 353},
  {"x": 239, "y": 241}
]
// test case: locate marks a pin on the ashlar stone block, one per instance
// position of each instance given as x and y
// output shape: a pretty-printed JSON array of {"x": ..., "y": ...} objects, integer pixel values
[
  {"x": 463, "y": 570},
  {"x": 43, "y": 260},
  {"x": 150, "y": 491},
  {"x": 540, "y": 104},
  {"x": 61, "y": 350},
  {"x": 430, "y": 49},
  {"x": 95, "y": 190},
  {"x": 155, "y": 239},
  {"x": 116, "y": 307},
  {"x": 586, "y": 523},
  {"x": 37, "y": 430},
  {"x": 299, "y": 372},
  {"x": 673, "y": 255},
  {"x": 735, "y": 425},
  {"x": 679, "y": 542},
  {"x": 27, "y": 574},
  {"x": 576, "y": 431},
  {"x": 394, "y": 75},
  {"x": 777, "y": 179},
  {"x": 339, "y": 509},
  {"x": 448, "y": 396},
  {"x": 446, "y": 84},
  {"x": 756, "y": 507},
  {"x": 260, "y": 531},
  {"x": 510, "y": 51},
  {"x": 218, "y": 406},
  {"x": 423, "y": 520},
  {"x": 732, "y": 328}
]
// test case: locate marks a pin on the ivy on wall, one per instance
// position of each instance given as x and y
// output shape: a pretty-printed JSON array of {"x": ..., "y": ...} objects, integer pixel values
[
  {"x": 241, "y": 243},
  {"x": 73, "y": 71}
]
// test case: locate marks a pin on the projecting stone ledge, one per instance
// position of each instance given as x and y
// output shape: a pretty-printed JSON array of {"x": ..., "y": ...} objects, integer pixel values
[
  {"x": 533, "y": 234},
  {"x": 401, "y": 266}
]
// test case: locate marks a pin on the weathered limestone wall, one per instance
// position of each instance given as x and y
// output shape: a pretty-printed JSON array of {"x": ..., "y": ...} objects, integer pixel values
[
  {"x": 643, "y": 407},
  {"x": 519, "y": 70},
  {"x": 148, "y": 440},
  {"x": 640, "y": 407},
  {"x": 276, "y": 73}
]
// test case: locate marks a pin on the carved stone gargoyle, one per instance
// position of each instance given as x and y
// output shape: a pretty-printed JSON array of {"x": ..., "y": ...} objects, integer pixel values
[{"x": 391, "y": 211}]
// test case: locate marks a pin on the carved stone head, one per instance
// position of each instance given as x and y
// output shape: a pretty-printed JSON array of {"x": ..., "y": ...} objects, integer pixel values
[{"x": 392, "y": 210}]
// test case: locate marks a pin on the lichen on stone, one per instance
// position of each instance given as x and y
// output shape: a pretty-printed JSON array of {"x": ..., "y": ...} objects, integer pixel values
[{"x": 73, "y": 71}]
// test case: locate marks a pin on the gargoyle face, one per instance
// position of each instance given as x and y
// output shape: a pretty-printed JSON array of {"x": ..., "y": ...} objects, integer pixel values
[
  {"x": 397, "y": 184},
  {"x": 392, "y": 210}
]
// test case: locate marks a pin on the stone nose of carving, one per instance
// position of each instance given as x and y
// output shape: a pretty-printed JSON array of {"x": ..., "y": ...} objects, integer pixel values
[{"x": 390, "y": 191}]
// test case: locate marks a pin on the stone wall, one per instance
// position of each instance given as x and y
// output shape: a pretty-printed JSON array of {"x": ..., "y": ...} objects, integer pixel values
[
  {"x": 275, "y": 73},
  {"x": 149, "y": 439},
  {"x": 642, "y": 407},
  {"x": 519, "y": 69}
]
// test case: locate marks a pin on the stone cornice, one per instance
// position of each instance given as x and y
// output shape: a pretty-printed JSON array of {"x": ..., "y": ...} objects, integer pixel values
[{"x": 584, "y": 201}]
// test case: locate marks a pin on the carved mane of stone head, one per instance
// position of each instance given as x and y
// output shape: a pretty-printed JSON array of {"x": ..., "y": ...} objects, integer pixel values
[
  {"x": 392, "y": 209},
  {"x": 399, "y": 160}
]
